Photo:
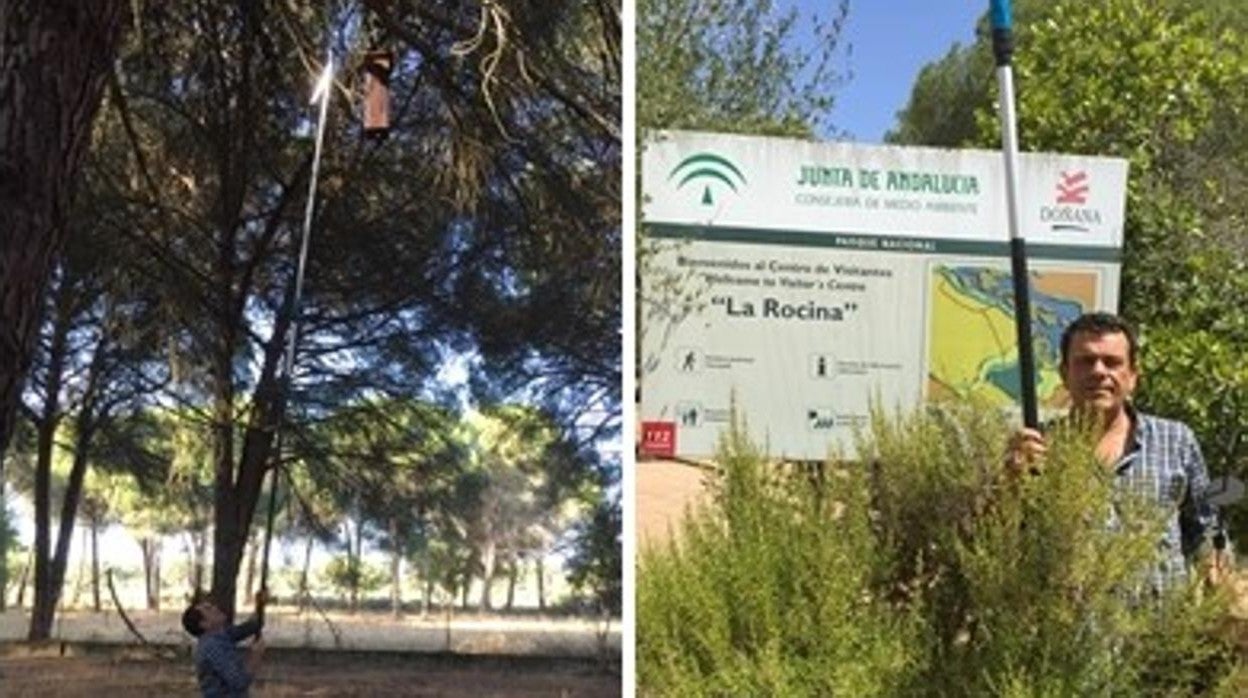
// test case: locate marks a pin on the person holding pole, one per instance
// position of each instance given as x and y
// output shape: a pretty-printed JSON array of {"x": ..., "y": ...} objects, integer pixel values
[
  {"x": 219, "y": 667},
  {"x": 1156, "y": 458}
]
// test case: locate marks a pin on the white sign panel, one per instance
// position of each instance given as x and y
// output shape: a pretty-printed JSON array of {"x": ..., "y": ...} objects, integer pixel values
[{"x": 805, "y": 280}]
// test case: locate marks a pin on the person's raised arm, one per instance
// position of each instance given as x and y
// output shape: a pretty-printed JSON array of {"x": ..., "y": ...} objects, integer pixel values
[{"x": 252, "y": 626}]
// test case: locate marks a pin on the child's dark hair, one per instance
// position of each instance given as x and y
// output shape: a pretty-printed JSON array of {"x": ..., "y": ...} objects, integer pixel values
[{"x": 193, "y": 619}]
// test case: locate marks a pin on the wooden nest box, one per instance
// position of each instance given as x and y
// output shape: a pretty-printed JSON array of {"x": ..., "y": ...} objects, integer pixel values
[{"x": 377, "y": 68}]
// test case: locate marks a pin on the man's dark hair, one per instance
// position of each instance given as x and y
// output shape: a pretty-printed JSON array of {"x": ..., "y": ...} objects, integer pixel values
[
  {"x": 193, "y": 619},
  {"x": 1100, "y": 324}
]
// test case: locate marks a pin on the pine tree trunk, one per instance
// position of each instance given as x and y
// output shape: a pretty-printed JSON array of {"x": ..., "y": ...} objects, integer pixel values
[
  {"x": 396, "y": 584},
  {"x": 60, "y": 557},
  {"x": 356, "y": 566},
  {"x": 145, "y": 550},
  {"x": 4, "y": 542},
  {"x": 396, "y": 571},
  {"x": 192, "y": 578},
  {"x": 512, "y": 574},
  {"x": 541, "y": 583},
  {"x": 427, "y": 600},
  {"x": 303, "y": 575},
  {"x": 488, "y": 561},
  {"x": 151, "y": 571},
  {"x": 251, "y": 567},
  {"x": 239, "y": 473},
  {"x": 200, "y": 540},
  {"x": 21, "y": 587},
  {"x": 44, "y": 610},
  {"x": 95, "y": 565},
  {"x": 225, "y": 531},
  {"x": 153, "y": 602},
  {"x": 57, "y": 55},
  {"x": 80, "y": 579}
]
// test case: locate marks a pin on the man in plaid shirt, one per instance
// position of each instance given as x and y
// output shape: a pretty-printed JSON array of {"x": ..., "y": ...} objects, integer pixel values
[
  {"x": 1156, "y": 458},
  {"x": 220, "y": 669}
]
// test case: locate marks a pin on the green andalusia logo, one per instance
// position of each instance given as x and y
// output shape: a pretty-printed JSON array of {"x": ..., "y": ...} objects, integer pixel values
[{"x": 706, "y": 169}]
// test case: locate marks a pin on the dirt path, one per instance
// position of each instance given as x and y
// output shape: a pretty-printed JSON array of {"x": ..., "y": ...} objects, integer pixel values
[
  {"x": 114, "y": 674},
  {"x": 489, "y": 635}
]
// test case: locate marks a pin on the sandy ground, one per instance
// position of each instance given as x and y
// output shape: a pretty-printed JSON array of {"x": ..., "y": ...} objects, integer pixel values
[
  {"x": 368, "y": 654},
  {"x": 116, "y": 674},
  {"x": 665, "y": 490},
  {"x": 497, "y": 635}
]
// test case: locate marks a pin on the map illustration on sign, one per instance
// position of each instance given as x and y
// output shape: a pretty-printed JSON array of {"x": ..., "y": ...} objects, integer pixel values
[{"x": 972, "y": 349}]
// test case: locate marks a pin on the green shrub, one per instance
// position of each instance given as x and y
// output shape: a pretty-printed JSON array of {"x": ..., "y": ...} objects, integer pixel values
[
  {"x": 922, "y": 569},
  {"x": 771, "y": 591}
]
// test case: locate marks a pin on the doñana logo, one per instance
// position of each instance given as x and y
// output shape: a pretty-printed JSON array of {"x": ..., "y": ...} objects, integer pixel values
[
  {"x": 1072, "y": 188},
  {"x": 1070, "y": 212},
  {"x": 707, "y": 168}
]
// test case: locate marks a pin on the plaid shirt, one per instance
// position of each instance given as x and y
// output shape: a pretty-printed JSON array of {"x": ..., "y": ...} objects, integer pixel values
[
  {"x": 1163, "y": 464},
  {"x": 218, "y": 666}
]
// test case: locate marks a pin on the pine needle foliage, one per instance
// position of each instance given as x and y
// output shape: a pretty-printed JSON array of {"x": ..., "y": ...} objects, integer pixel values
[{"x": 922, "y": 568}]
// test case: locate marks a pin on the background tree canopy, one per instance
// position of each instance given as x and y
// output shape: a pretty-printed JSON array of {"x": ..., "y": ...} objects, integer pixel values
[{"x": 735, "y": 66}]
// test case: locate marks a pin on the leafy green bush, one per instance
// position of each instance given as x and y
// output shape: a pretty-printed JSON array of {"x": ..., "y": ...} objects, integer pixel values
[
  {"x": 345, "y": 574},
  {"x": 771, "y": 591},
  {"x": 923, "y": 569}
]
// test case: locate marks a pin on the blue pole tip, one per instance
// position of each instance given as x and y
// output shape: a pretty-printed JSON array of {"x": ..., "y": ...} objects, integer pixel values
[{"x": 1000, "y": 14}]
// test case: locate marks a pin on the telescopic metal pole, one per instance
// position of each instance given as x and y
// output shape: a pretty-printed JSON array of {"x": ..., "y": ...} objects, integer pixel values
[
  {"x": 1003, "y": 49},
  {"x": 288, "y": 364}
]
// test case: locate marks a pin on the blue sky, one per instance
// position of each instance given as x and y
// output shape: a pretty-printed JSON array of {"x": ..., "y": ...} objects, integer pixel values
[{"x": 891, "y": 40}]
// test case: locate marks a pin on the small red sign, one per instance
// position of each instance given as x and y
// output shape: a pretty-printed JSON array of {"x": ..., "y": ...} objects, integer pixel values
[{"x": 658, "y": 439}]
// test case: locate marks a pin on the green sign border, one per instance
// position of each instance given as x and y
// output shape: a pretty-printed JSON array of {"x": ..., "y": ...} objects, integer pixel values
[{"x": 876, "y": 243}]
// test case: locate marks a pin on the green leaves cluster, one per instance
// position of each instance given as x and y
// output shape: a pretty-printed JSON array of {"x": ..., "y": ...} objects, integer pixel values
[
  {"x": 922, "y": 569},
  {"x": 1127, "y": 78},
  {"x": 733, "y": 66},
  {"x": 346, "y": 573}
]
